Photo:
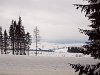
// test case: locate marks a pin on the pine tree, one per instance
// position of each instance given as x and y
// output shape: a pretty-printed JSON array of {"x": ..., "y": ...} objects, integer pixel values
[
  {"x": 6, "y": 42},
  {"x": 92, "y": 11},
  {"x": 1, "y": 40},
  {"x": 23, "y": 40},
  {"x": 28, "y": 41},
  {"x": 12, "y": 35},
  {"x": 18, "y": 37}
]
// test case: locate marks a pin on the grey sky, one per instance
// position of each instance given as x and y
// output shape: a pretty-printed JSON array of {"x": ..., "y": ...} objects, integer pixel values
[{"x": 58, "y": 20}]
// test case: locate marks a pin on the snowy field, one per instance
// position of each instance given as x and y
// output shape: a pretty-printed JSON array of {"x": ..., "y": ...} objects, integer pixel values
[
  {"x": 60, "y": 50},
  {"x": 58, "y": 53},
  {"x": 55, "y": 46},
  {"x": 45, "y": 63},
  {"x": 40, "y": 65}
]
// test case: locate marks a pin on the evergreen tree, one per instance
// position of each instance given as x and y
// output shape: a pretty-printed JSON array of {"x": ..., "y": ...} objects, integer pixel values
[
  {"x": 92, "y": 11},
  {"x": 6, "y": 42},
  {"x": 1, "y": 40},
  {"x": 28, "y": 41},
  {"x": 18, "y": 37},
  {"x": 23, "y": 40},
  {"x": 12, "y": 35}
]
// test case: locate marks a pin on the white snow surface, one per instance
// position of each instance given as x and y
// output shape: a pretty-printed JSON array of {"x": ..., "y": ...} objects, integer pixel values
[
  {"x": 47, "y": 45},
  {"x": 45, "y": 63},
  {"x": 60, "y": 50},
  {"x": 40, "y": 65}
]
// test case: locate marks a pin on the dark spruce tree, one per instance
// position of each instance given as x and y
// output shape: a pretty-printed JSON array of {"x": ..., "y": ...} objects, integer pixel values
[
  {"x": 18, "y": 38},
  {"x": 6, "y": 42},
  {"x": 92, "y": 11},
  {"x": 28, "y": 41},
  {"x": 1, "y": 40},
  {"x": 12, "y": 35}
]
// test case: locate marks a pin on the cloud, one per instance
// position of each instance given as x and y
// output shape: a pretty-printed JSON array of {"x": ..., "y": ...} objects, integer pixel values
[{"x": 56, "y": 19}]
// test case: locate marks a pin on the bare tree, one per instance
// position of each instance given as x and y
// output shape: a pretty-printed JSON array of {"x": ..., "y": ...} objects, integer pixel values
[{"x": 36, "y": 34}]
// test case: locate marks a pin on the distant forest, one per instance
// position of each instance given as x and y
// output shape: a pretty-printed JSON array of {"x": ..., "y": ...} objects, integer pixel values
[
  {"x": 17, "y": 40},
  {"x": 75, "y": 49}
]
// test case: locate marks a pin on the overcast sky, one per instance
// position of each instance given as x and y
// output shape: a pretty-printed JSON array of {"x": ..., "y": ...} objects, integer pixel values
[{"x": 57, "y": 20}]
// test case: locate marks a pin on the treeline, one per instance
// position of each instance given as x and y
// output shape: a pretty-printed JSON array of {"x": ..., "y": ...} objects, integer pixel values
[
  {"x": 16, "y": 39},
  {"x": 75, "y": 49}
]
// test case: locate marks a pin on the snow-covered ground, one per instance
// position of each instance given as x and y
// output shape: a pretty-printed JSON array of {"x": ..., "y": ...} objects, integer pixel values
[
  {"x": 60, "y": 50},
  {"x": 40, "y": 65},
  {"x": 55, "y": 46},
  {"x": 56, "y": 50},
  {"x": 57, "y": 53},
  {"x": 45, "y": 63}
]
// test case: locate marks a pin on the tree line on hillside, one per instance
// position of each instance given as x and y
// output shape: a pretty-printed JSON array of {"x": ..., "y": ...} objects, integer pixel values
[
  {"x": 92, "y": 47},
  {"x": 17, "y": 40}
]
